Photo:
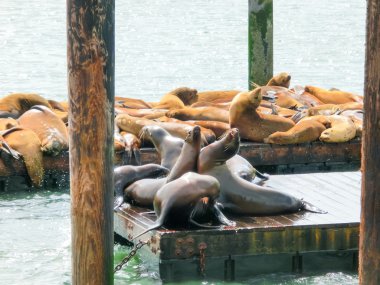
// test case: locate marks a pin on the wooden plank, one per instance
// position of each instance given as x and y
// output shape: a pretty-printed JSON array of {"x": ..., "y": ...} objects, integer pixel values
[{"x": 369, "y": 257}]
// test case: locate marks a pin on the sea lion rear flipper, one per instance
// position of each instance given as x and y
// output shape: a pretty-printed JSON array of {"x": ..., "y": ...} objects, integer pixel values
[
  {"x": 220, "y": 217},
  {"x": 191, "y": 221},
  {"x": 156, "y": 225},
  {"x": 311, "y": 208}
]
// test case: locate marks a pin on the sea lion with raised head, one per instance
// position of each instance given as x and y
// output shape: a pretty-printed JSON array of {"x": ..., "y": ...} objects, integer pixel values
[
  {"x": 176, "y": 203},
  {"x": 280, "y": 79},
  {"x": 127, "y": 174},
  {"x": 50, "y": 129},
  {"x": 253, "y": 125}
]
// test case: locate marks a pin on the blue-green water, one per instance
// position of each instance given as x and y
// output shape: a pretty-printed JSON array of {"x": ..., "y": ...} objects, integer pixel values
[{"x": 160, "y": 45}]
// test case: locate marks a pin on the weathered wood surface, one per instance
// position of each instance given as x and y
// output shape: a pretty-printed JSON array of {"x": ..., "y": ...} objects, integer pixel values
[
  {"x": 256, "y": 153},
  {"x": 91, "y": 75},
  {"x": 260, "y": 42},
  {"x": 291, "y": 234},
  {"x": 369, "y": 260}
]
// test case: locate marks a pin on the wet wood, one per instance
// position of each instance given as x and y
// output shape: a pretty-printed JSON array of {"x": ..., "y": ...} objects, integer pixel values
[
  {"x": 369, "y": 256},
  {"x": 91, "y": 74},
  {"x": 264, "y": 239},
  {"x": 260, "y": 41}
]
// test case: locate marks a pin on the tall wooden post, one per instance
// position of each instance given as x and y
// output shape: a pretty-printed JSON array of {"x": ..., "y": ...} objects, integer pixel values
[
  {"x": 91, "y": 79},
  {"x": 369, "y": 255},
  {"x": 260, "y": 42}
]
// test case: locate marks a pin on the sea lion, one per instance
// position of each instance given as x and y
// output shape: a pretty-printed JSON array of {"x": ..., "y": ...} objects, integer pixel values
[
  {"x": 131, "y": 103},
  {"x": 201, "y": 113},
  {"x": 27, "y": 143},
  {"x": 333, "y": 96},
  {"x": 251, "y": 124},
  {"x": 219, "y": 96},
  {"x": 132, "y": 154},
  {"x": 175, "y": 203},
  {"x": 142, "y": 192},
  {"x": 141, "y": 113},
  {"x": 168, "y": 147},
  {"x": 280, "y": 79},
  {"x": 224, "y": 105},
  {"x": 127, "y": 174},
  {"x": 134, "y": 125},
  {"x": 219, "y": 128},
  {"x": 304, "y": 131},
  {"x": 50, "y": 129},
  {"x": 188, "y": 159},
  {"x": 357, "y": 117},
  {"x": 177, "y": 98}
]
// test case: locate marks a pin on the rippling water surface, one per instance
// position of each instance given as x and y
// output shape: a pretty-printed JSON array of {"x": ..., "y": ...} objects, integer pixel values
[{"x": 160, "y": 45}]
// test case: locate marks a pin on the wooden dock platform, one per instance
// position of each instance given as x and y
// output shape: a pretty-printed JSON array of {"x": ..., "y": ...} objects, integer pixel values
[
  {"x": 298, "y": 242},
  {"x": 299, "y": 158}
]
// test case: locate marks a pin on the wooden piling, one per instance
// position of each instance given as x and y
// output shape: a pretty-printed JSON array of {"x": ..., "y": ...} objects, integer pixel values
[
  {"x": 369, "y": 256},
  {"x": 260, "y": 42},
  {"x": 91, "y": 64}
]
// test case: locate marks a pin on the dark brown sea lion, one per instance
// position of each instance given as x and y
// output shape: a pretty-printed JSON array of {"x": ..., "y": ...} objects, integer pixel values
[
  {"x": 333, "y": 97},
  {"x": 201, "y": 113},
  {"x": 177, "y": 98},
  {"x": 175, "y": 204},
  {"x": 188, "y": 159},
  {"x": 50, "y": 129},
  {"x": 281, "y": 79},
  {"x": 251, "y": 124},
  {"x": 27, "y": 143},
  {"x": 14, "y": 105},
  {"x": 168, "y": 147},
  {"x": 219, "y": 96},
  {"x": 304, "y": 131},
  {"x": 127, "y": 174}
]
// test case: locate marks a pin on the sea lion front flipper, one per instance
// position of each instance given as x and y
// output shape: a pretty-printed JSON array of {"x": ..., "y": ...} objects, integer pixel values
[
  {"x": 220, "y": 217},
  {"x": 137, "y": 154},
  {"x": 311, "y": 208}
]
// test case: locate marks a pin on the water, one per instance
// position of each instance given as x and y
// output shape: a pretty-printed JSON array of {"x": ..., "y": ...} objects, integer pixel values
[{"x": 160, "y": 45}]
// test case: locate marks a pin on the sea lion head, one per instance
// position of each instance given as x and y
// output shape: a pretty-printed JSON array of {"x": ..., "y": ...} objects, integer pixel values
[
  {"x": 231, "y": 141},
  {"x": 255, "y": 97},
  {"x": 152, "y": 133},
  {"x": 193, "y": 135},
  {"x": 187, "y": 95},
  {"x": 281, "y": 79}
]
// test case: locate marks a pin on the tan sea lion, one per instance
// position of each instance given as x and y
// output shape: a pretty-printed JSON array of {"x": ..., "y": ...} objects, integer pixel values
[
  {"x": 334, "y": 96},
  {"x": 201, "y": 113},
  {"x": 131, "y": 103},
  {"x": 357, "y": 117},
  {"x": 127, "y": 174},
  {"x": 177, "y": 202},
  {"x": 304, "y": 131},
  {"x": 188, "y": 159},
  {"x": 219, "y": 96},
  {"x": 50, "y": 129},
  {"x": 27, "y": 143},
  {"x": 178, "y": 98},
  {"x": 14, "y": 105},
  {"x": 251, "y": 124},
  {"x": 7, "y": 123},
  {"x": 224, "y": 105},
  {"x": 280, "y": 79}
]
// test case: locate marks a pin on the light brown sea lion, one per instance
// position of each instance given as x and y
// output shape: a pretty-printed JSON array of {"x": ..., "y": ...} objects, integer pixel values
[
  {"x": 280, "y": 79},
  {"x": 127, "y": 174},
  {"x": 55, "y": 105},
  {"x": 140, "y": 113},
  {"x": 219, "y": 96},
  {"x": 188, "y": 159},
  {"x": 64, "y": 116},
  {"x": 134, "y": 125},
  {"x": 251, "y": 124},
  {"x": 333, "y": 97},
  {"x": 50, "y": 129},
  {"x": 27, "y": 143},
  {"x": 304, "y": 131},
  {"x": 131, "y": 103},
  {"x": 132, "y": 154},
  {"x": 7, "y": 123},
  {"x": 178, "y": 98},
  {"x": 357, "y": 117},
  {"x": 224, "y": 106},
  {"x": 14, "y": 105},
  {"x": 175, "y": 203},
  {"x": 168, "y": 147},
  {"x": 240, "y": 196},
  {"x": 201, "y": 113}
]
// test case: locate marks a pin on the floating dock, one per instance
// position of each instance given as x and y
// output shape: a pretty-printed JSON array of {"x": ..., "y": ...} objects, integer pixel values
[
  {"x": 299, "y": 242},
  {"x": 298, "y": 158}
]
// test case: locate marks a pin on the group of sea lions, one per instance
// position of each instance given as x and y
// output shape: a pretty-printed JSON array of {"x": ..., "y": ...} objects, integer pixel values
[{"x": 193, "y": 185}]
